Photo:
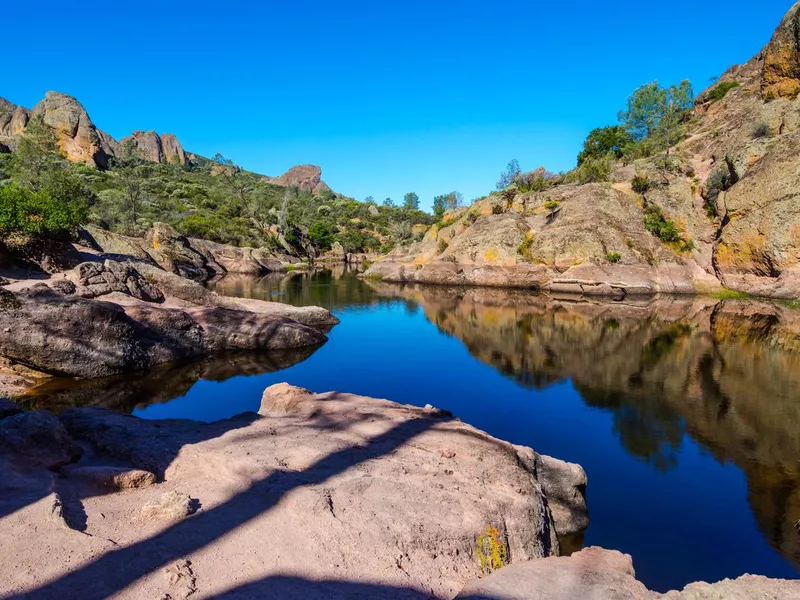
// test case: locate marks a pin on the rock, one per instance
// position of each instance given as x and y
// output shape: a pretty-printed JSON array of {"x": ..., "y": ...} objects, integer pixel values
[
  {"x": 155, "y": 148},
  {"x": 781, "y": 71},
  {"x": 4, "y": 281},
  {"x": 593, "y": 573},
  {"x": 77, "y": 136},
  {"x": 173, "y": 151},
  {"x": 64, "y": 286},
  {"x": 73, "y": 336},
  {"x": 94, "y": 279},
  {"x": 173, "y": 252},
  {"x": 171, "y": 506},
  {"x": 230, "y": 259},
  {"x": 38, "y": 439},
  {"x": 303, "y": 177},
  {"x": 564, "y": 485},
  {"x": 111, "y": 478},
  {"x": 746, "y": 587},
  {"x": 8, "y": 408}
]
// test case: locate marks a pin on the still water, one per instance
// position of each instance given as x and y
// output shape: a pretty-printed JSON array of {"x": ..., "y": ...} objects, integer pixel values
[{"x": 684, "y": 412}]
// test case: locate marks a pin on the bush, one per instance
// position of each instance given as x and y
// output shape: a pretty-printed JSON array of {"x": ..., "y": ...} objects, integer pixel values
[
  {"x": 497, "y": 209},
  {"x": 640, "y": 184},
  {"x": 664, "y": 229},
  {"x": 38, "y": 213},
  {"x": 471, "y": 217},
  {"x": 720, "y": 180},
  {"x": 605, "y": 140},
  {"x": 442, "y": 246},
  {"x": 321, "y": 234},
  {"x": 593, "y": 170},
  {"x": 524, "y": 248},
  {"x": 551, "y": 204},
  {"x": 762, "y": 130},
  {"x": 719, "y": 91},
  {"x": 491, "y": 550},
  {"x": 613, "y": 257}
]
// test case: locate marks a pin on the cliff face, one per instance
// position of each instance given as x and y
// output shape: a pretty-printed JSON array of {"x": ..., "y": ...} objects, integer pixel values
[
  {"x": 304, "y": 177},
  {"x": 592, "y": 238}
]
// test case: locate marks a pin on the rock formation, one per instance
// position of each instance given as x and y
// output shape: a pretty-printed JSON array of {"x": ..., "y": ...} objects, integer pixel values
[
  {"x": 781, "y": 71},
  {"x": 304, "y": 177},
  {"x": 731, "y": 192},
  {"x": 76, "y": 135},
  {"x": 156, "y": 148},
  {"x": 317, "y": 487}
]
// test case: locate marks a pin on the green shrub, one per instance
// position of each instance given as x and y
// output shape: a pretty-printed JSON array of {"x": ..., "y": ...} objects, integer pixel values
[
  {"x": 640, "y": 184},
  {"x": 321, "y": 234},
  {"x": 551, "y": 204},
  {"x": 613, "y": 257},
  {"x": 719, "y": 91},
  {"x": 497, "y": 209},
  {"x": 593, "y": 170},
  {"x": 720, "y": 180},
  {"x": 39, "y": 213},
  {"x": 664, "y": 229},
  {"x": 442, "y": 246},
  {"x": 524, "y": 248},
  {"x": 471, "y": 217},
  {"x": 762, "y": 130}
]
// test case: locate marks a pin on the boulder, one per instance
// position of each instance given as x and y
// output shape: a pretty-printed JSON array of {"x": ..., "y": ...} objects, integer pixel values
[
  {"x": 173, "y": 252},
  {"x": 591, "y": 574},
  {"x": 93, "y": 279},
  {"x": 171, "y": 506},
  {"x": 38, "y": 439},
  {"x": 564, "y": 485},
  {"x": 145, "y": 143},
  {"x": 111, "y": 478},
  {"x": 76, "y": 337}
]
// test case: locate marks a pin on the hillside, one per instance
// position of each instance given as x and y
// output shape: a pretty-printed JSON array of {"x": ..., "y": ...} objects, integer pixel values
[
  {"x": 145, "y": 178},
  {"x": 715, "y": 208}
]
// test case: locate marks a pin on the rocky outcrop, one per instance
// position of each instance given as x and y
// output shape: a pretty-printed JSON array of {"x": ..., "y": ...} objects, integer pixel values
[
  {"x": 781, "y": 71},
  {"x": 173, "y": 252},
  {"x": 76, "y": 135},
  {"x": 93, "y": 279},
  {"x": 156, "y": 148},
  {"x": 304, "y": 177},
  {"x": 236, "y": 260},
  {"x": 326, "y": 487},
  {"x": 76, "y": 337},
  {"x": 13, "y": 120},
  {"x": 607, "y": 574},
  {"x": 729, "y": 198}
]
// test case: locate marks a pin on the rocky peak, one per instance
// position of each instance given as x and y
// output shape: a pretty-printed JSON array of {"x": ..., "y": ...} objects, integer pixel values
[
  {"x": 304, "y": 177},
  {"x": 156, "y": 148},
  {"x": 13, "y": 120},
  {"x": 781, "y": 71},
  {"x": 76, "y": 135}
]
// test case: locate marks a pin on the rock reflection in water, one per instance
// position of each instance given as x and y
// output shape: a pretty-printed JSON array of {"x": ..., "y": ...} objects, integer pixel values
[
  {"x": 161, "y": 384},
  {"x": 725, "y": 372}
]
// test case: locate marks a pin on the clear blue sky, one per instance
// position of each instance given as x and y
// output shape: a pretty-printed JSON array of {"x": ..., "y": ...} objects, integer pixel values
[{"x": 387, "y": 97}]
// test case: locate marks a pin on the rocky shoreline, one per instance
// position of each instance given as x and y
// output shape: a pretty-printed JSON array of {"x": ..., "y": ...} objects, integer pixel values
[{"x": 316, "y": 496}]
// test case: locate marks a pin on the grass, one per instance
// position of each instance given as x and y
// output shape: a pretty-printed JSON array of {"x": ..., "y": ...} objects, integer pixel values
[
  {"x": 727, "y": 294},
  {"x": 719, "y": 92},
  {"x": 613, "y": 257}
]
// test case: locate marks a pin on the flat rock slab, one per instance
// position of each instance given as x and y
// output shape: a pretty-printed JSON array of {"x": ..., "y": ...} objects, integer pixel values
[{"x": 325, "y": 496}]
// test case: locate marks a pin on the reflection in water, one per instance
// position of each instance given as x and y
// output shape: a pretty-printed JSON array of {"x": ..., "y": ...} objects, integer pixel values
[
  {"x": 162, "y": 383},
  {"x": 726, "y": 373},
  {"x": 671, "y": 373}
]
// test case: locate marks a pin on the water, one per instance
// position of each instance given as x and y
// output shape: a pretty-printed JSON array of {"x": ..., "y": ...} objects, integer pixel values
[{"x": 684, "y": 412}]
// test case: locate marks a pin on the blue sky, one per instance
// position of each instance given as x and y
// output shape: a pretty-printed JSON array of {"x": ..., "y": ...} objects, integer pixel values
[{"x": 386, "y": 97}]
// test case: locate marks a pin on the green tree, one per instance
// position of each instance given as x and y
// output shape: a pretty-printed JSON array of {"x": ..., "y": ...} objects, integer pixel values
[
  {"x": 651, "y": 107},
  {"x": 388, "y": 202},
  {"x": 605, "y": 140},
  {"x": 439, "y": 205},
  {"x": 37, "y": 154},
  {"x": 38, "y": 213},
  {"x": 322, "y": 234},
  {"x": 509, "y": 175},
  {"x": 411, "y": 201}
]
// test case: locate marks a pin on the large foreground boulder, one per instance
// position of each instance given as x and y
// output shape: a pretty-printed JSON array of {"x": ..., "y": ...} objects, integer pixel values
[
  {"x": 318, "y": 496},
  {"x": 75, "y": 337}
]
